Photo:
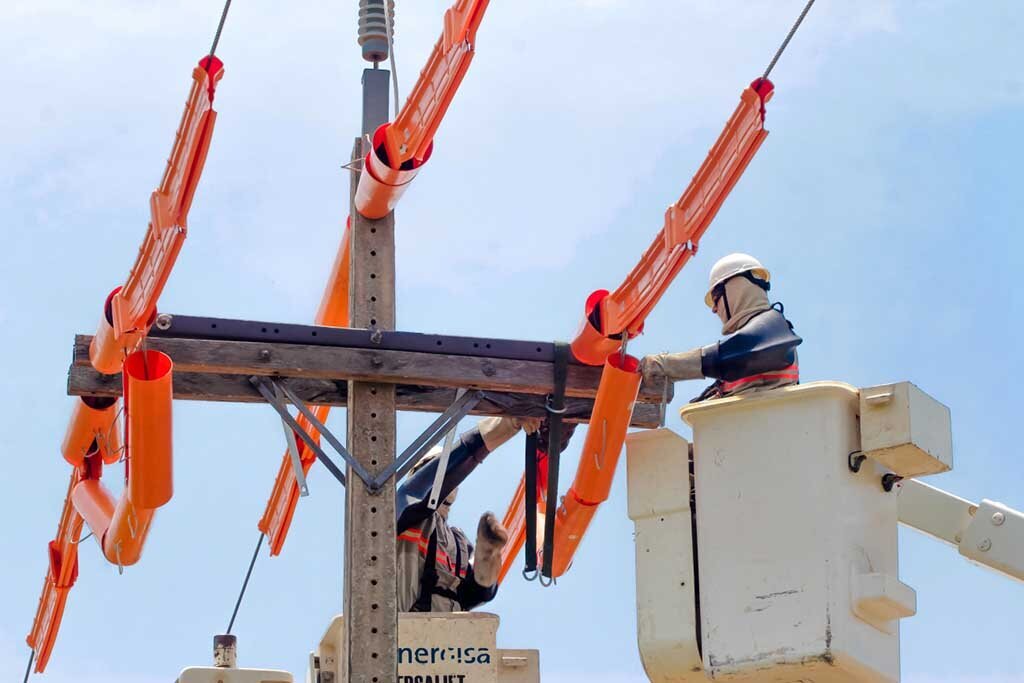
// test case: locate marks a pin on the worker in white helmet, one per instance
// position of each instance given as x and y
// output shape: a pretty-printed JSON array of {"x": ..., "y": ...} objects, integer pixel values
[
  {"x": 439, "y": 570},
  {"x": 759, "y": 350}
]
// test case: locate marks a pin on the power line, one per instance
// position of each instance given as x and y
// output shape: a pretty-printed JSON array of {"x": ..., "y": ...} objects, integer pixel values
[
  {"x": 245, "y": 583},
  {"x": 789, "y": 37},
  {"x": 220, "y": 26}
]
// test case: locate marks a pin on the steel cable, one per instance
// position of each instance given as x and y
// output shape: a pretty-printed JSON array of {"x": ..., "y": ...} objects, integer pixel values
[
  {"x": 220, "y": 27},
  {"x": 245, "y": 583},
  {"x": 789, "y": 37},
  {"x": 28, "y": 669}
]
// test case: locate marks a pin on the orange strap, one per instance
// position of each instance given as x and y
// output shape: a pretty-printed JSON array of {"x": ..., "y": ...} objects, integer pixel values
[
  {"x": 686, "y": 221},
  {"x": 413, "y": 129},
  {"x": 791, "y": 372}
]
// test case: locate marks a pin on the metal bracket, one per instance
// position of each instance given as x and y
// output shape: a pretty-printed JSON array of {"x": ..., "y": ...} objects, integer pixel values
[
  {"x": 445, "y": 422},
  {"x": 442, "y": 465},
  {"x": 270, "y": 390},
  {"x": 293, "y": 452}
]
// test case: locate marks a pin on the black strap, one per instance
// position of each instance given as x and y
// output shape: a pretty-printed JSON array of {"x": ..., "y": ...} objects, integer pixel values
[
  {"x": 448, "y": 593},
  {"x": 530, "y": 505},
  {"x": 428, "y": 580},
  {"x": 556, "y": 408}
]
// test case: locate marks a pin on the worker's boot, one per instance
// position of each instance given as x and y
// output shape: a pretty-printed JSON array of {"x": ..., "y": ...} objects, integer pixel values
[{"x": 491, "y": 537}]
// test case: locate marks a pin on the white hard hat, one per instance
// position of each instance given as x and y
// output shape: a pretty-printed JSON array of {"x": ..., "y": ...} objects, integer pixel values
[{"x": 730, "y": 266}]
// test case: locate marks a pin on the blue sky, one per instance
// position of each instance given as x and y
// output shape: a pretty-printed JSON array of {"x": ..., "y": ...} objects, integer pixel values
[{"x": 886, "y": 201}]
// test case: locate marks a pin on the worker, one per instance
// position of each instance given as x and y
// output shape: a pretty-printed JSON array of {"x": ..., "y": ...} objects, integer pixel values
[
  {"x": 439, "y": 570},
  {"x": 759, "y": 350}
]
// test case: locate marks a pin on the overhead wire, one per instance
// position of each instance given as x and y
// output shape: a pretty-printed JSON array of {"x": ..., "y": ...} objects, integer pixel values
[
  {"x": 389, "y": 18},
  {"x": 785, "y": 43},
  {"x": 220, "y": 27},
  {"x": 245, "y": 583}
]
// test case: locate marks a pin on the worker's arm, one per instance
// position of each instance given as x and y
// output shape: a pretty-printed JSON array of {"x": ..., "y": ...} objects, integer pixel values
[
  {"x": 673, "y": 366},
  {"x": 471, "y": 449},
  {"x": 764, "y": 344}
]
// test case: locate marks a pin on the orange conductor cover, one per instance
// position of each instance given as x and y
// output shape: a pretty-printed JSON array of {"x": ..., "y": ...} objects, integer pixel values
[
  {"x": 400, "y": 148},
  {"x": 132, "y": 308},
  {"x": 93, "y": 427},
  {"x": 333, "y": 312},
  {"x": 624, "y": 310}
]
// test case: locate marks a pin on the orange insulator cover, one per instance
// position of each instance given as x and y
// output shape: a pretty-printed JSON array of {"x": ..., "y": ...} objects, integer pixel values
[
  {"x": 613, "y": 410},
  {"x": 380, "y": 185},
  {"x": 591, "y": 346},
  {"x": 107, "y": 350},
  {"x": 333, "y": 312},
  {"x": 60, "y": 577},
  {"x": 127, "y": 532},
  {"x": 277, "y": 516},
  {"x": 401, "y": 148},
  {"x": 148, "y": 398},
  {"x": 93, "y": 427},
  {"x": 128, "y": 314},
  {"x": 120, "y": 527},
  {"x": 416, "y": 123},
  {"x": 571, "y": 523},
  {"x": 686, "y": 221},
  {"x": 131, "y": 309},
  {"x": 96, "y": 506}
]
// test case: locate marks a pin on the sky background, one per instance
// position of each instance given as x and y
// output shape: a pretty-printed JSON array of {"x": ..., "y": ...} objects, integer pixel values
[{"x": 887, "y": 202}]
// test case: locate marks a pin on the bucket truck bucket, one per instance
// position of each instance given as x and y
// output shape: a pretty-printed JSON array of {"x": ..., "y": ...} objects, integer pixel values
[
  {"x": 796, "y": 549},
  {"x": 658, "y": 486},
  {"x": 458, "y": 646}
]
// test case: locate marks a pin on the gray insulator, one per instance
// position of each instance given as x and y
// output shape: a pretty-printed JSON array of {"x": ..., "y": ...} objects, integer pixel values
[{"x": 373, "y": 32}]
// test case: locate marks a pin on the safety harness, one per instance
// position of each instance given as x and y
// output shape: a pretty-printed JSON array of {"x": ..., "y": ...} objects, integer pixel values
[{"x": 429, "y": 577}]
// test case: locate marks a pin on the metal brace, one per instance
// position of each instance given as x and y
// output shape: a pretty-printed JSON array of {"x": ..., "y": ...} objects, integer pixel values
[
  {"x": 442, "y": 465},
  {"x": 293, "y": 452},
  {"x": 269, "y": 390},
  {"x": 430, "y": 436}
]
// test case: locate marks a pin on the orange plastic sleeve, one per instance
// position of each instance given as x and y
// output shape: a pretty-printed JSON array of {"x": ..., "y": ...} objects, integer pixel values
[
  {"x": 148, "y": 397},
  {"x": 93, "y": 426}
]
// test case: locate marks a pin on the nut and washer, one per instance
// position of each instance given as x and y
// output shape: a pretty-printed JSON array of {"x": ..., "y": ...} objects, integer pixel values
[
  {"x": 985, "y": 545},
  {"x": 998, "y": 518}
]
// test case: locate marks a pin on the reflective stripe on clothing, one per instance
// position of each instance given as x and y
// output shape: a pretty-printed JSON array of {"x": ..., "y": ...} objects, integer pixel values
[
  {"x": 416, "y": 536},
  {"x": 790, "y": 374}
]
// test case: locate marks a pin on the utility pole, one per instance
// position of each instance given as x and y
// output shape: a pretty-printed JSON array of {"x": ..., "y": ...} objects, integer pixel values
[{"x": 370, "y": 598}]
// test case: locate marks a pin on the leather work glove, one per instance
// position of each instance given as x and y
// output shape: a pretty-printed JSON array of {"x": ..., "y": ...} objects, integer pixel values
[
  {"x": 673, "y": 366},
  {"x": 497, "y": 430},
  {"x": 491, "y": 537}
]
